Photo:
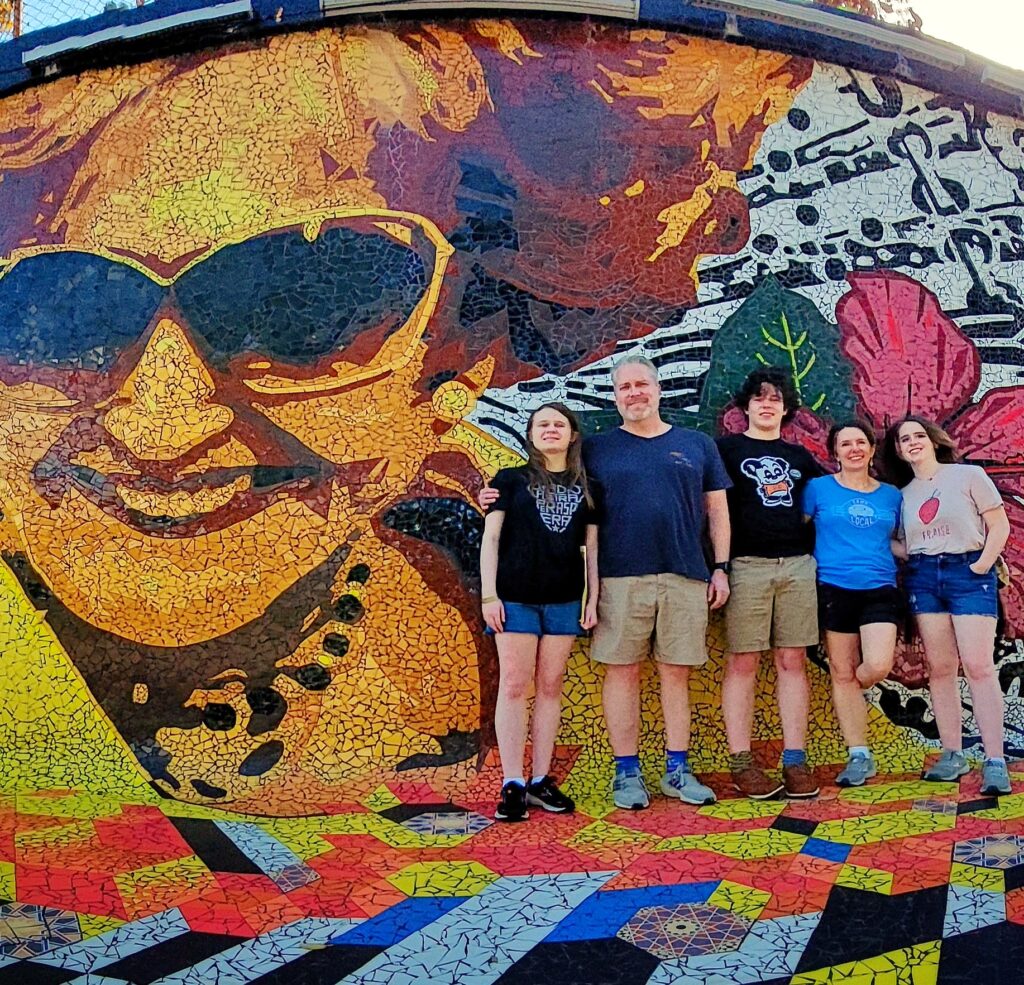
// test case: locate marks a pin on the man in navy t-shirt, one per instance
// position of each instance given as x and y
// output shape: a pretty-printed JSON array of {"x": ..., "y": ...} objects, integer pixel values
[{"x": 660, "y": 484}]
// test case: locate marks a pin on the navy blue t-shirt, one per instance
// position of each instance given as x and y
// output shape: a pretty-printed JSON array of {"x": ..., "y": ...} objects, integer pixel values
[{"x": 653, "y": 510}]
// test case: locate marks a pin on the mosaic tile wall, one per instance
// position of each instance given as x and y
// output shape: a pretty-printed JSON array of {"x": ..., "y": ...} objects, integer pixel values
[{"x": 270, "y": 314}]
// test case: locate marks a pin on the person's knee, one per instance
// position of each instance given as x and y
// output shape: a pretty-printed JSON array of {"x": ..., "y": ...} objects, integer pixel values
[
  {"x": 791, "y": 662},
  {"x": 742, "y": 665},
  {"x": 843, "y": 673},
  {"x": 979, "y": 669},
  {"x": 515, "y": 687},
  {"x": 550, "y": 685},
  {"x": 869, "y": 674}
]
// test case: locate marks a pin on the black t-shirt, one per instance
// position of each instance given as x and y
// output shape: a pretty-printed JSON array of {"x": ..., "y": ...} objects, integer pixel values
[
  {"x": 539, "y": 560},
  {"x": 765, "y": 509}
]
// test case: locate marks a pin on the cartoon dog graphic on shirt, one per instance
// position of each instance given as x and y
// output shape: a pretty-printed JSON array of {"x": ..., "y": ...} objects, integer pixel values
[{"x": 773, "y": 477}]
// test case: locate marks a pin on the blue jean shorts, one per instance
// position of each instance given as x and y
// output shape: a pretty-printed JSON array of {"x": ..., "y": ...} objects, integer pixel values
[
  {"x": 945, "y": 583},
  {"x": 561, "y": 619}
]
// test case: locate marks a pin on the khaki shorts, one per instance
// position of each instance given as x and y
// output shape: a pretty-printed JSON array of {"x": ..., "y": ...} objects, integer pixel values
[
  {"x": 670, "y": 609},
  {"x": 773, "y": 602}
]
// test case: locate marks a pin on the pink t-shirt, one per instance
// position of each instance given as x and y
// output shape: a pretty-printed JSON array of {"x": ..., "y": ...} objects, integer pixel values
[{"x": 942, "y": 515}]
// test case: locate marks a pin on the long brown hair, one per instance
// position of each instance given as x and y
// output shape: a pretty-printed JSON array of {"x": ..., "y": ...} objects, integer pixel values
[
  {"x": 899, "y": 471},
  {"x": 536, "y": 470}
]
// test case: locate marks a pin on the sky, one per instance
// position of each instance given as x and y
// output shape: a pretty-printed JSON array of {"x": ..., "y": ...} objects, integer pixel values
[{"x": 993, "y": 28}]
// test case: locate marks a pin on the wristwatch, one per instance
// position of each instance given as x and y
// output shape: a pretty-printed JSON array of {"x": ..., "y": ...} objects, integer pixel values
[{"x": 725, "y": 566}]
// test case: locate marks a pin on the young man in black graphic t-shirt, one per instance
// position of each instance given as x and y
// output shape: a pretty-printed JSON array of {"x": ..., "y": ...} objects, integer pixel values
[{"x": 773, "y": 604}]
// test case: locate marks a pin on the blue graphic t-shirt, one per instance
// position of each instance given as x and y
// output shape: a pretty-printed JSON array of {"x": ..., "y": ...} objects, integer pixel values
[
  {"x": 852, "y": 533},
  {"x": 653, "y": 510}
]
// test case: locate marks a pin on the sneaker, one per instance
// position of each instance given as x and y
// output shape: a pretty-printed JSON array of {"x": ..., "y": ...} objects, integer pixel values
[
  {"x": 683, "y": 785},
  {"x": 755, "y": 784},
  {"x": 948, "y": 768},
  {"x": 995, "y": 779},
  {"x": 544, "y": 793},
  {"x": 799, "y": 781},
  {"x": 629, "y": 792},
  {"x": 857, "y": 772},
  {"x": 513, "y": 803}
]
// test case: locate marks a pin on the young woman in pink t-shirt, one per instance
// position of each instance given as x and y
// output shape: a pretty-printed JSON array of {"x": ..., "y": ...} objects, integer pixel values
[{"x": 954, "y": 526}]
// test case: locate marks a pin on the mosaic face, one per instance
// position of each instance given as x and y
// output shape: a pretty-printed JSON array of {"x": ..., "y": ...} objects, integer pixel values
[{"x": 187, "y": 460}]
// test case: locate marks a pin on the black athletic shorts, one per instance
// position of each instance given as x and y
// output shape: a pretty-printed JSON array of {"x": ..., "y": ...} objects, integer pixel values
[{"x": 845, "y": 610}]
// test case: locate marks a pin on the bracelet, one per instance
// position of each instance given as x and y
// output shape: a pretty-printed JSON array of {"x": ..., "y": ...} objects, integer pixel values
[{"x": 490, "y": 598}]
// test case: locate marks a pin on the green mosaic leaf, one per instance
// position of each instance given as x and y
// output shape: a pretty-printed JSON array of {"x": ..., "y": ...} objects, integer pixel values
[{"x": 778, "y": 327}]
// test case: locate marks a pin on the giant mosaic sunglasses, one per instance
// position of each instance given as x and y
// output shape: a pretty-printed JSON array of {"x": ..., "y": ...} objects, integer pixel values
[{"x": 293, "y": 295}]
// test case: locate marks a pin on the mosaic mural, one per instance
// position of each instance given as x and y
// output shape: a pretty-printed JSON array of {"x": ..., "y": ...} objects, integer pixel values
[{"x": 270, "y": 315}]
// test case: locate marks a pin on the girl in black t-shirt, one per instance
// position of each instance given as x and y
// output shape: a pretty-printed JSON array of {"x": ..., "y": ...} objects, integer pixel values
[{"x": 532, "y": 578}]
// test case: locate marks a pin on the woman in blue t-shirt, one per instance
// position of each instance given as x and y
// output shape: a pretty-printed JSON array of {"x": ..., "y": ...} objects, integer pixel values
[
  {"x": 533, "y": 581},
  {"x": 855, "y": 520}
]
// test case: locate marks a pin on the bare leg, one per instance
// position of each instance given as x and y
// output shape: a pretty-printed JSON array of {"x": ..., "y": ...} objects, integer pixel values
[
  {"x": 517, "y": 658},
  {"x": 622, "y": 707},
  {"x": 552, "y": 656},
  {"x": 843, "y": 658},
  {"x": 878, "y": 649},
  {"x": 675, "y": 704},
  {"x": 738, "y": 698},
  {"x": 975, "y": 639},
  {"x": 940, "y": 650},
  {"x": 794, "y": 694}
]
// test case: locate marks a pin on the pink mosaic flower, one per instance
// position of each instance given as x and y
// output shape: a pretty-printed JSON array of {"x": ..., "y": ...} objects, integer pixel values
[{"x": 908, "y": 356}]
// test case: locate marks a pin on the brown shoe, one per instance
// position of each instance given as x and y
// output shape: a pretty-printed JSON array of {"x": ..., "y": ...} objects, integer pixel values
[
  {"x": 799, "y": 781},
  {"x": 753, "y": 783}
]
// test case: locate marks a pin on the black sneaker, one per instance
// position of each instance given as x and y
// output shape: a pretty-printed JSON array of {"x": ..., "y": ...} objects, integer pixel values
[
  {"x": 513, "y": 803},
  {"x": 544, "y": 793}
]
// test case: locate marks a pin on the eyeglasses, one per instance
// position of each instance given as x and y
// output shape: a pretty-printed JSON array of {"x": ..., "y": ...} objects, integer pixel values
[{"x": 291, "y": 296}]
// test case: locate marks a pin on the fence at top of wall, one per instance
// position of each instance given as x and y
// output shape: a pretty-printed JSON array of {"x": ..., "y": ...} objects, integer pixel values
[{"x": 18, "y": 17}]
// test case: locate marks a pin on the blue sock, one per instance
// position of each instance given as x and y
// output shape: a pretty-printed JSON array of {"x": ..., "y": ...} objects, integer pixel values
[
  {"x": 627, "y": 764},
  {"x": 676, "y": 759},
  {"x": 793, "y": 757},
  {"x": 860, "y": 751},
  {"x": 1001, "y": 760}
]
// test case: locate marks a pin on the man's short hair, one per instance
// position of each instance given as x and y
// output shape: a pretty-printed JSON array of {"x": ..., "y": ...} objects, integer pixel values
[
  {"x": 772, "y": 376},
  {"x": 634, "y": 359}
]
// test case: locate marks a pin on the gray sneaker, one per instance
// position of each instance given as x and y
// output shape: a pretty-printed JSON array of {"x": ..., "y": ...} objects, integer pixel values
[
  {"x": 686, "y": 787},
  {"x": 858, "y": 770},
  {"x": 948, "y": 768},
  {"x": 630, "y": 792},
  {"x": 995, "y": 778}
]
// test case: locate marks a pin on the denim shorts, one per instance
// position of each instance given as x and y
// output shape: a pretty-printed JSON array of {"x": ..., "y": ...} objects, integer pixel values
[
  {"x": 945, "y": 583},
  {"x": 560, "y": 619}
]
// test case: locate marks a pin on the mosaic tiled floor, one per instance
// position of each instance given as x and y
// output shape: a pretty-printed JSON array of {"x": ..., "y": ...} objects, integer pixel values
[{"x": 901, "y": 881}]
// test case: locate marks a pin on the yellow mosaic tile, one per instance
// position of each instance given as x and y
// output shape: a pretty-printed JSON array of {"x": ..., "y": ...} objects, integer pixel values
[
  {"x": 743, "y": 809},
  {"x": 744, "y": 901},
  {"x": 7, "y": 881},
  {"x": 381, "y": 799},
  {"x": 860, "y": 877},
  {"x": 601, "y": 834},
  {"x": 171, "y": 879},
  {"x": 60, "y": 836},
  {"x": 917, "y": 965},
  {"x": 886, "y": 793},
  {"x": 880, "y": 827},
  {"x": 443, "y": 879},
  {"x": 1009, "y": 808},
  {"x": 978, "y": 876},
  {"x": 92, "y": 925},
  {"x": 762, "y": 843}
]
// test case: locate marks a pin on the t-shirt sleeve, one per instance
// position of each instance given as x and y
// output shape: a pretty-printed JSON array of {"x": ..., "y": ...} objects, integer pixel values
[
  {"x": 595, "y": 513},
  {"x": 983, "y": 490},
  {"x": 810, "y": 498},
  {"x": 715, "y": 474},
  {"x": 502, "y": 481},
  {"x": 812, "y": 468}
]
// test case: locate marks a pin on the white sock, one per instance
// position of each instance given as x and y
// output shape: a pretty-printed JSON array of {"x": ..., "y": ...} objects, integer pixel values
[
  {"x": 537, "y": 779},
  {"x": 860, "y": 751},
  {"x": 514, "y": 779}
]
